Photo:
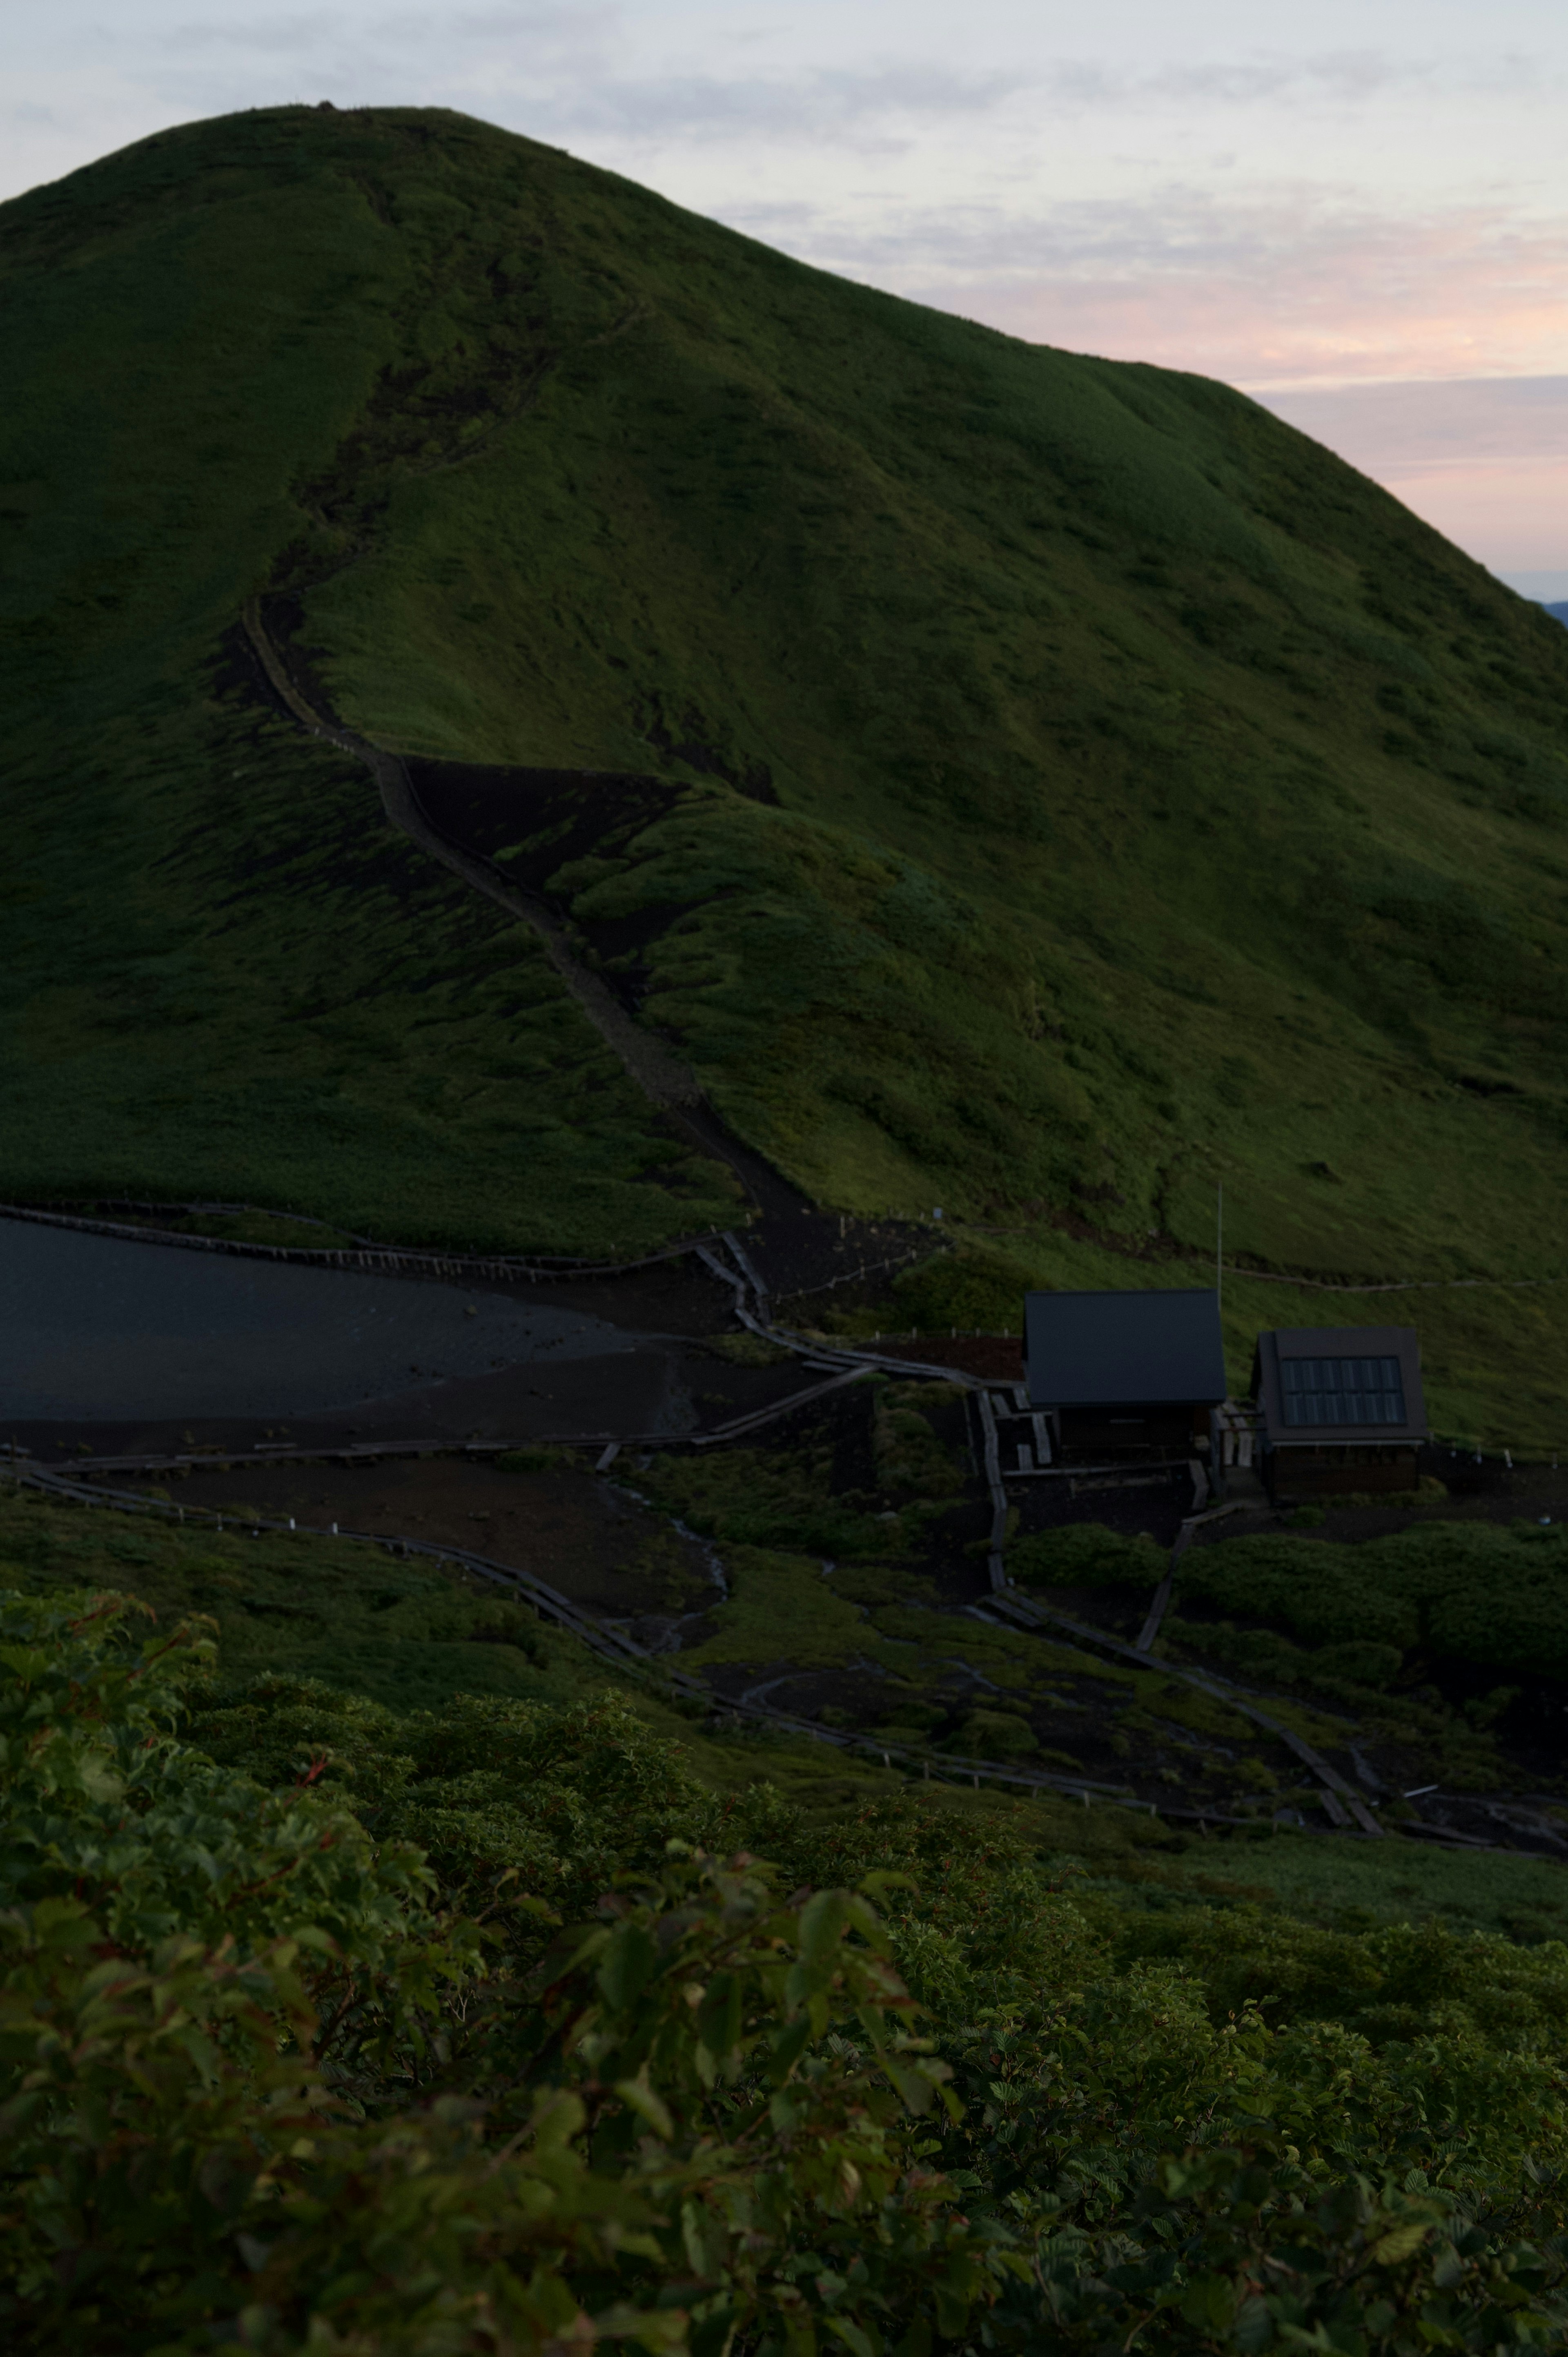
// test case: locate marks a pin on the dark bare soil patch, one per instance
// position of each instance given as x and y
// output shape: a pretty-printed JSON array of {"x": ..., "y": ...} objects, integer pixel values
[{"x": 587, "y": 1538}]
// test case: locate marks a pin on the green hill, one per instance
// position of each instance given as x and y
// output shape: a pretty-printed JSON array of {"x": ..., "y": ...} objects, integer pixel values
[{"x": 1029, "y": 783}]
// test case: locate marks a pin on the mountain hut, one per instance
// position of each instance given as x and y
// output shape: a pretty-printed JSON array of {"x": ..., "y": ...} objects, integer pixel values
[
  {"x": 1341, "y": 1408},
  {"x": 1121, "y": 1376}
]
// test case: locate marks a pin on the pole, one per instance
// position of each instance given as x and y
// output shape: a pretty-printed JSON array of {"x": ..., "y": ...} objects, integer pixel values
[{"x": 1218, "y": 1243}]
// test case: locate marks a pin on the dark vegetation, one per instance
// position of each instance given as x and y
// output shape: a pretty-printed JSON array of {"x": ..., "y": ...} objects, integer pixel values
[
  {"x": 1428, "y": 1657},
  {"x": 426, "y": 2024},
  {"x": 1444, "y": 1613},
  {"x": 1026, "y": 783},
  {"x": 836, "y": 1567}
]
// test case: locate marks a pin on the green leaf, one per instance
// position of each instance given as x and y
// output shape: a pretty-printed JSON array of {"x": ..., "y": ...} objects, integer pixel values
[
  {"x": 952, "y": 2309},
  {"x": 628, "y": 1963},
  {"x": 786, "y": 2048},
  {"x": 27, "y": 1663},
  {"x": 1401, "y": 2242},
  {"x": 640, "y": 2097},
  {"x": 719, "y": 2015},
  {"x": 823, "y": 1920},
  {"x": 881, "y": 1880},
  {"x": 1210, "y": 2300}
]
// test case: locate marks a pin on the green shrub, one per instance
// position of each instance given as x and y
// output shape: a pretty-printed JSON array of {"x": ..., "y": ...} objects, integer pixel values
[
  {"x": 968, "y": 1288},
  {"x": 779, "y": 1499},
  {"x": 555, "y": 1802},
  {"x": 106, "y": 1812},
  {"x": 1356, "y": 1664},
  {"x": 256, "y": 2088},
  {"x": 996, "y": 1735},
  {"x": 1354, "y": 1672},
  {"x": 203, "y": 2138},
  {"x": 177, "y": 2174},
  {"x": 910, "y": 1460},
  {"x": 1466, "y": 1592},
  {"x": 1087, "y": 1555},
  {"x": 747, "y": 1350}
]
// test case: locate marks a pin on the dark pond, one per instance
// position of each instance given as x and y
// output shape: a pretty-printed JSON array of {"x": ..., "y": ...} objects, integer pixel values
[{"x": 94, "y": 1329}]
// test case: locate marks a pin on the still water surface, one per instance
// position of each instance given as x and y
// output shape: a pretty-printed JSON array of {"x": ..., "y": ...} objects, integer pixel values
[{"x": 93, "y": 1328}]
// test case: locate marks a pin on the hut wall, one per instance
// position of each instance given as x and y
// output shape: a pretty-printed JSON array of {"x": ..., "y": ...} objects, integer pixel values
[
  {"x": 1133, "y": 1434},
  {"x": 1339, "y": 1469}
]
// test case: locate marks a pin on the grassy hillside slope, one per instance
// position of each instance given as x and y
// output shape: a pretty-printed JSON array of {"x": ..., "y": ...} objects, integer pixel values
[
  {"x": 296, "y": 1611},
  {"x": 1080, "y": 786}
]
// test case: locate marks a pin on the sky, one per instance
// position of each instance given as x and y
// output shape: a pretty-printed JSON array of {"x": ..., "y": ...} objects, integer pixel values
[{"x": 1356, "y": 211}]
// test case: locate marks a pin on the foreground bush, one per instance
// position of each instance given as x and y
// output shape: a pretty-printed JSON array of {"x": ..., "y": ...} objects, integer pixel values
[
  {"x": 259, "y": 2087},
  {"x": 181, "y": 2158},
  {"x": 233, "y": 2040}
]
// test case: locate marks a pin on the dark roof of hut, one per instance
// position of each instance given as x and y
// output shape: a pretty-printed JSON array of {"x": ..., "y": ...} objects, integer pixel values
[{"x": 1120, "y": 1349}]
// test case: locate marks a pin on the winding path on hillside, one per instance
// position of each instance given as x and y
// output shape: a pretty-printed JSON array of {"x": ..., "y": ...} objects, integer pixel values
[
  {"x": 662, "y": 1075},
  {"x": 803, "y": 1248}
]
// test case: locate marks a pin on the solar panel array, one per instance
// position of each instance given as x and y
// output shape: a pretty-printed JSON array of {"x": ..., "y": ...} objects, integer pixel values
[{"x": 1342, "y": 1391}]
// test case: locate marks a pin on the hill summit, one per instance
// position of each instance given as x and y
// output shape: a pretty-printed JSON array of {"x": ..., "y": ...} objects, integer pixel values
[{"x": 1033, "y": 784}]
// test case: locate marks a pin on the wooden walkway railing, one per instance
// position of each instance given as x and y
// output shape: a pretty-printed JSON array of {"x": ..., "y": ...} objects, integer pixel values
[{"x": 395, "y": 1260}]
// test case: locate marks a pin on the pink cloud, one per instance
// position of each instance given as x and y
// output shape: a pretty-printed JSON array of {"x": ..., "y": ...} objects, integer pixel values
[
  {"x": 1485, "y": 460},
  {"x": 1514, "y": 518},
  {"x": 1288, "y": 287},
  {"x": 1431, "y": 352}
]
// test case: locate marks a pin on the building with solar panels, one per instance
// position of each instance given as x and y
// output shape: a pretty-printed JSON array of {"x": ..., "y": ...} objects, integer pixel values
[{"x": 1340, "y": 1408}]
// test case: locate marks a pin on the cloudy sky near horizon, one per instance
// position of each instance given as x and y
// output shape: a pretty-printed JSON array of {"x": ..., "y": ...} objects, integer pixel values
[{"x": 1358, "y": 211}]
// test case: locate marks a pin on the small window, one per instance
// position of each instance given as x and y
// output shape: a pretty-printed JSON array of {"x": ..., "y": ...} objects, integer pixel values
[{"x": 1342, "y": 1391}]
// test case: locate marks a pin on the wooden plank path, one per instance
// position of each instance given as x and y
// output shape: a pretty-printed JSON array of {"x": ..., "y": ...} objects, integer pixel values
[{"x": 1025, "y": 1613}]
